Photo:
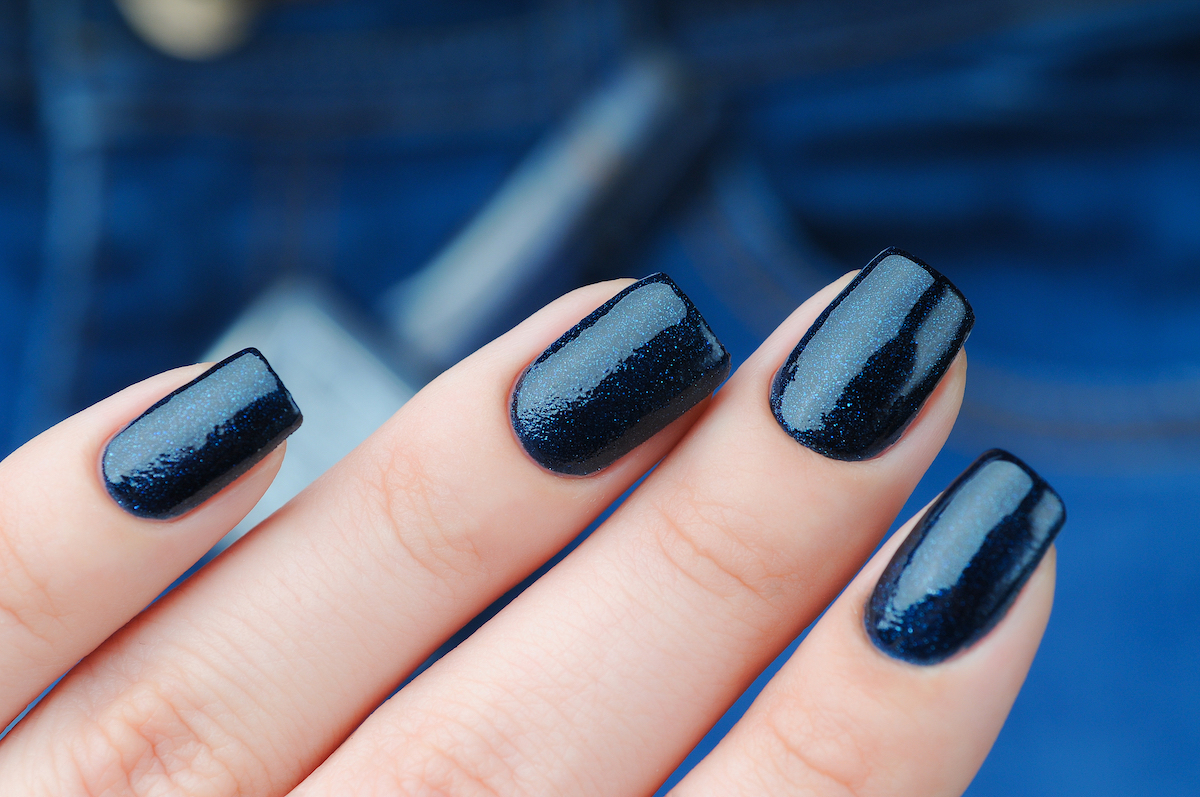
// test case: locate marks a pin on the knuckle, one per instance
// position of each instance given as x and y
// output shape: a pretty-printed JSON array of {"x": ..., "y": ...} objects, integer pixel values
[
  {"x": 445, "y": 776},
  {"x": 818, "y": 750},
  {"x": 454, "y": 764},
  {"x": 28, "y": 612},
  {"x": 415, "y": 515},
  {"x": 717, "y": 546},
  {"x": 143, "y": 744}
]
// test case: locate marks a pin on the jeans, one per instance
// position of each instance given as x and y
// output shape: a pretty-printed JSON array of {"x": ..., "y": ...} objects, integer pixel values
[{"x": 1043, "y": 155}]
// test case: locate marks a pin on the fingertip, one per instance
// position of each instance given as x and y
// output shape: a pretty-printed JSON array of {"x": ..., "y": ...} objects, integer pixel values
[{"x": 94, "y": 563}]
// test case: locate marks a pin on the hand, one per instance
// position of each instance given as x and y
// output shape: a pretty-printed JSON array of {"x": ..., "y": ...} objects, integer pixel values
[{"x": 257, "y": 676}]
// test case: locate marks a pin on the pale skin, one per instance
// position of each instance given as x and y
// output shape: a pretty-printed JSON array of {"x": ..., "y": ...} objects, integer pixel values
[{"x": 257, "y": 676}]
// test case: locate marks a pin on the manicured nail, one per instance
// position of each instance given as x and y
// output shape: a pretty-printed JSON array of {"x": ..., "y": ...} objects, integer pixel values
[
  {"x": 641, "y": 360},
  {"x": 187, "y": 447},
  {"x": 964, "y": 563},
  {"x": 861, "y": 373}
]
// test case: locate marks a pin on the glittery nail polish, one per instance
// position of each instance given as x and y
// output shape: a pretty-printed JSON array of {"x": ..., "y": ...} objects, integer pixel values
[
  {"x": 199, "y": 439},
  {"x": 864, "y": 368},
  {"x": 641, "y": 360},
  {"x": 965, "y": 561}
]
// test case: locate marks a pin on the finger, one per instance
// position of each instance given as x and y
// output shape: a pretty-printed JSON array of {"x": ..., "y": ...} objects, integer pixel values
[
  {"x": 905, "y": 716},
  {"x": 75, "y": 564},
  {"x": 244, "y": 679},
  {"x": 603, "y": 674}
]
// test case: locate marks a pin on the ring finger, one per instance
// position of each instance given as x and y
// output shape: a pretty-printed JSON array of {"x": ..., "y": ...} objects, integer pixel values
[{"x": 908, "y": 716}]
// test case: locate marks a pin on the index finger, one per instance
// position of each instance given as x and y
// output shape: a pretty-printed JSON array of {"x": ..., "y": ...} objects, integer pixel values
[{"x": 85, "y": 545}]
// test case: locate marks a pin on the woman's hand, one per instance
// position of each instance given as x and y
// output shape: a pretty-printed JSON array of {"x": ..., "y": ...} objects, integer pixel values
[{"x": 257, "y": 676}]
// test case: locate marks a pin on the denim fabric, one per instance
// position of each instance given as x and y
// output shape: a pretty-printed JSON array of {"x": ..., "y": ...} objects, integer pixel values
[{"x": 1045, "y": 156}]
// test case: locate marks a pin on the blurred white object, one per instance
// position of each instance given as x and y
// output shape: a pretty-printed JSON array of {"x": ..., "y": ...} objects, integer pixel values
[
  {"x": 343, "y": 386},
  {"x": 195, "y": 30},
  {"x": 590, "y": 175}
]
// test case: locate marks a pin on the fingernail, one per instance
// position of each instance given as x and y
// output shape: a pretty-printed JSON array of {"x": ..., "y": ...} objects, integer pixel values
[
  {"x": 619, "y": 376},
  {"x": 861, "y": 373},
  {"x": 964, "y": 563},
  {"x": 187, "y": 447}
]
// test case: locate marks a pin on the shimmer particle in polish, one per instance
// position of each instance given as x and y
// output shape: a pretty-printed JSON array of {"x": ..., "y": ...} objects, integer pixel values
[
  {"x": 199, "y": 439},
  {"x": 638, "y": 362},
  {"x": 860, "y": 374},
  {"x": 964, "y": 563}
]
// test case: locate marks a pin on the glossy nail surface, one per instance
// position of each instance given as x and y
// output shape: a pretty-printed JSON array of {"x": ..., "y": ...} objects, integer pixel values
[
  {"x": 199, "y": 439},
  {"x": 862, "y": 371},
  {"x": 964, "y": 563},
  {"x": 641, "y": 360}
]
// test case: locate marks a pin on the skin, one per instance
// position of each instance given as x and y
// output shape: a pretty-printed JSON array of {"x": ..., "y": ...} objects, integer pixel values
[{"x": 261, "y": 675}]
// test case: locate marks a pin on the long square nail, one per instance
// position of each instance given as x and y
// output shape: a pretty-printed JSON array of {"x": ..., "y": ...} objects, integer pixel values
[
  {"x": 863, "y": 370},
  {"x": 619, "y": 376},
  {"x": 200, "y": 438},
  {"x": 965, "y": 561}
]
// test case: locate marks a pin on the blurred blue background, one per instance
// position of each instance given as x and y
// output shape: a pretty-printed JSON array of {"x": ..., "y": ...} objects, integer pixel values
[{"x": 1044, "y": 155}]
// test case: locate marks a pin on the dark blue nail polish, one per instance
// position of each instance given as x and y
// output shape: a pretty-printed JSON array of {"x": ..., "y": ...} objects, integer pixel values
[
  {"x": 187, "y": 447},
  {"x": 641, "y": 360},
  {"x": 964, "y": 563},
  {"x": 862, "y": 371}
]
